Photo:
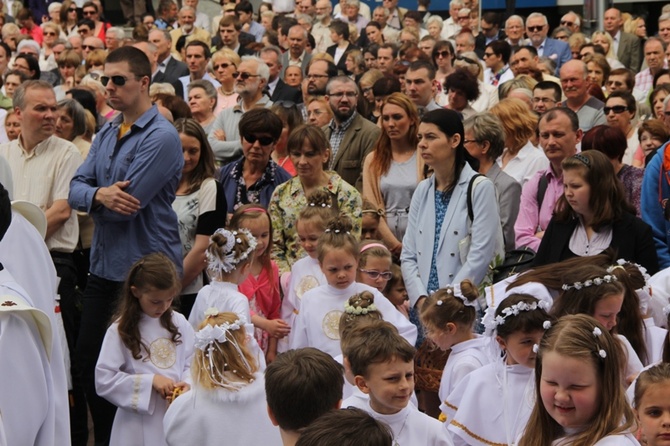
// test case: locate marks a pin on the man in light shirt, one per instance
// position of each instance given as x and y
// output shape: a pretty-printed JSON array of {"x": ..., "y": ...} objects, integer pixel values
[{"x": 321, "y": 28}]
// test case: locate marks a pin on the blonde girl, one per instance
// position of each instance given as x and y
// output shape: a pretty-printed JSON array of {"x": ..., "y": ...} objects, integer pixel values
[
  {"x": 579, "y": 394},
  {"x": 317, "y": 322},
  {"x": 228, "y": 396},
  {"x": 652, "y": 405},
  {"x": 448, "y": 317},
  {"x": 374, "y": 265},
  {"x": 146, "y": 353},
  {"x": 229, "y": 258},
  {"x": 261, "y": 286},
  {"x": 306, "y": 272}
]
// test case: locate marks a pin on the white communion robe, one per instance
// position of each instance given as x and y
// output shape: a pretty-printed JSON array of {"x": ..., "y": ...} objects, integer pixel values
[
  {"x": 654, "y": 339},
  {"x": 626, "y": 439},
  {"x": 127, "y": 382},
  {"x": 223, "y": 296},
  {"x": 492, "y": 408},
  {"x": 317, "y": 324},
  {"x": 27, "y": 391},
  {"x": 206, "y": 417},
  {"x": 412, "y": 428}
]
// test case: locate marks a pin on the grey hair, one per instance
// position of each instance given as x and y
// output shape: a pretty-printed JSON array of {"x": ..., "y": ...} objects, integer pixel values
[
  {"x": 537, "y": 15},
  {"x": 118, "y": 32},
  {"x": 306, "y": 17},
  {"x": 263, "y": 70},
  {"x": 435, "y": 19},
  {"x": 664, "y": 17},
  {"x": 456, "y": 3},
  {"x": 272, "y": 49},
  {"x": 487, "y": 127},
  {"x": 187, "y": 8},
  {"x": 514, "y": 17},
  {"x": 205, "y": 85},
  {"x": 77, "y": 113},
  {"x": 578, "y": 21},
  {"x": 352, "y": 3},
  {"x": 52, "y": 6},
  {"x": 384, "y": 10},
  {"x": 19, "y": 98}
]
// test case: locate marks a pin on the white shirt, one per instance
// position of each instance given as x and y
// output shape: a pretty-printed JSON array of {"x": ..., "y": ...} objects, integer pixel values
[
  {"x": 525, "y": 164},
  {"x": 411, "y": 427},
  {"x": 221, "y": 295}
]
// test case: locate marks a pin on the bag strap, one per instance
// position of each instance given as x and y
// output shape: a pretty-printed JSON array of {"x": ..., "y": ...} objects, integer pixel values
[
  {"x": 471, "y": 185},
  {"x": 541, "y": 190}
]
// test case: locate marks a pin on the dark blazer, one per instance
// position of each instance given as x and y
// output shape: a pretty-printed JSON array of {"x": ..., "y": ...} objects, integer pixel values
[
  {"x": 631, "y": 237},
  {"x": 342, "y": 64},
  {"x": 159, "y": 77},
  {"x": 174, "y": 70},
  {"x": 480, "y": 42},
  {"x": 284, "y": 92},
  {"x": 285, "y": 63},
  {"x": 629, "y": 51},
  {"x": 558, "y": 51}
]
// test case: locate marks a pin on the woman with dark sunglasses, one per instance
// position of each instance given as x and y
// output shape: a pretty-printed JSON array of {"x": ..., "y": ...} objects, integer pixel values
[
  {"x": 443, "y": 57},
  {"x": 69, "y": 17}
]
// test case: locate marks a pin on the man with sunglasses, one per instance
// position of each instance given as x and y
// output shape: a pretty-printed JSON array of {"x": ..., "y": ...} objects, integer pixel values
[
  {"x": 490, "y": 32},
  {"x": 537, "y": 29},
  {"x": 127, "y": 184},
  {"x": 572, "y": 21},
  {"x": 251, "y": 80}
]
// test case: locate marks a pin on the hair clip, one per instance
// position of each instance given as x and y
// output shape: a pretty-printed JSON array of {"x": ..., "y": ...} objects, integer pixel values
[
  {"x": 666, "y": 310},
  {"x": 323, "y": 205},
  {"x": 536, "y": 348},
  {"x": 583, "y": 159},
  {"x": 229, "y": 260},
  {"x": 546, "y": 325},
  {"x": 373, "y": 245},
  {"x": 609, "y": 278},
  {"x": 350, "y": 309},
  {"x": 211, "y": 312},
  {"x": 517, "y": 308},
  {"x": 255, "y": 209},
  {"x": 597, "y": 332}
]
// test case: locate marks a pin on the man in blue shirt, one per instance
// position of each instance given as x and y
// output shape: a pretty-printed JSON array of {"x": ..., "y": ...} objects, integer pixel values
[{"x": 127, "y": 184}]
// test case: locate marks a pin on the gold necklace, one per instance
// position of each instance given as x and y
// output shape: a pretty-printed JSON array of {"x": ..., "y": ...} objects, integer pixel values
[{"x": 226, "y": 93}]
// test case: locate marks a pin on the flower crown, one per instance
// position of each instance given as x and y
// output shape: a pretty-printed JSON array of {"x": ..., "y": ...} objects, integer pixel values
[
  {"x": 517, "y": 308},
  {"x": 642, "y": 269},
  {"x": 609, "y": 278},
  {"x": 323, "y": 205},
  {"x": 456, "y": 291},
  {"x": 229, "y": 261},
  {"x": 350, "y": 309},
  {"x": 596, "y": 333},
  {"x": 336, "y": 231}
]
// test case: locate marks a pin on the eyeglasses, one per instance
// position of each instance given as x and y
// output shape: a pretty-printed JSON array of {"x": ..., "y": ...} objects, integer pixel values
[
  {"x": 468, "y": 141},
  {"x": 566, "y": 23},
  {"x": 366, "y": 90},
  {"x": 263, "y": 140},
  {"x": 244, "y": 75},
  {"x": 347, "y": 94},
  {"x": 617, "y": 109},
  {"x": 317, "y": 76},
  {"x": 467, "y": 59},
  {"x": 463, "y": 18},
  {"x": 374, "y": 275},
  {"x": 72, "y": 9},
  {"x": 90, "y": 47},
  {"x": 223, "y": 65},
  {"x": 50, "y": 34},
  {"x": 535, "y": 29},
  {"x": 89, "y": 12},
  {"x": 119, "y": 80},
  {"x": 442, "y": 54},
  {"x": 489, "y": 55}
]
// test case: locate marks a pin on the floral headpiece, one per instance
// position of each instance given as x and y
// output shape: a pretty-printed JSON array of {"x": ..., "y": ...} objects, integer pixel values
[
  {"x": 601, "y": 351},
  {"x": 609, "y": 278},
  {"x": 517, "y": 308},
  {"x": 357, "y": 310},
  {"x": 211, "y": 337},
  {"x": 229, "y": 261},
  {"x": 666, "y": 310},
  {"x": 336, "y": 231},
  {"x": 323, "y": 205},
  {"x": 456, "y": 291}
]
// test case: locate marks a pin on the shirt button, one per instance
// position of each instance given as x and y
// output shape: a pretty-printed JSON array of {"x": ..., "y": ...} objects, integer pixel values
[
  {"x": 453, "y": 254},
  {"x": 451, "y": 275},
  {"x": 455, "y": 232}
]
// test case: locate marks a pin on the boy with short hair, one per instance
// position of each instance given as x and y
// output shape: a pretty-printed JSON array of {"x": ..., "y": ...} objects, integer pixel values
[
  {"x": 382, "y": 362},
  {"x": 300, "y": 386},
  {"x": 346, "y": 427}
]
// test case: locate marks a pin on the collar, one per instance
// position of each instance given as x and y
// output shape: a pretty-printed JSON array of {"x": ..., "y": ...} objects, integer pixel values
[
  {"x": 37, "y": 150},
  {"x": 295, "y": 186},
  {"x": 165, "y": 61},
  {"x": 617, "y": 37},
  {"x": 344, "y": 126},
  {"x": 141, "y": 122},
  {"x": 299, "y": 59},
  {"x": 263, "y": 101}
]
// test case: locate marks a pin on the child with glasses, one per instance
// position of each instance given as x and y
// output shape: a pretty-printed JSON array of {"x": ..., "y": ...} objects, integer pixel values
[{"x": 374, "y": 265}]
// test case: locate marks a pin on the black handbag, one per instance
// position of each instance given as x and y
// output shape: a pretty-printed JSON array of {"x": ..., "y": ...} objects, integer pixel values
[{"x": 516, "y": 261}]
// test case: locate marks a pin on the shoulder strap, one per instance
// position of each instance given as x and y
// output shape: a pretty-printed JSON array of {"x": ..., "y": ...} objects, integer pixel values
[
  {"x": 471, "y": 185},
  {"x": 541, "y": 190}
]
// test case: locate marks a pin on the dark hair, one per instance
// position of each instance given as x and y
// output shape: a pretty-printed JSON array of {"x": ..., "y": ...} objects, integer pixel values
[
  {"x": 206, "y": 51},
  {"x": 86, "y": 98},
  {"x": 550, "y": 85},
  {"x": 301, "y": 385},
  {"x": 631, "y": 103},
  {"x": 138, "y": 62},
  {"x": 244, "y": 6},
  {"x": 419, "y": 64},
  {"x": 331, "y": 68},
  {"x": 386, "y": 85},
  {"x": 608, "y": 197},
  {"x": 530, "y": 48},
  {"x": 501, "y": 48},
  {"x": 449, "y": 123},
  {"x": 177, "y": 106},
  {"x": 340, "y": 28},
  {"x": 5, "y": 211},
  {"x": 607, "y": 139},
  {"x": 260, "y": 120},
  {"x": 630, "y": 76},
  {"x": 33, "y": 64},
  {"x": 154, "y": 271},
  {"x": 661, "y": 72},
  {"x": 463, "y": 80},
  {"x": 553, "y": 113},
  {"x": 77, "y": 113},
  {"x": 524, "y": 321},
  {"x": 375, "y": 342},
  {"x": 206, "y": 167},
  {"x": 392, "y": 47},
  {"x": 87, "y": 22},
  {"x": 346, "y": 427}
]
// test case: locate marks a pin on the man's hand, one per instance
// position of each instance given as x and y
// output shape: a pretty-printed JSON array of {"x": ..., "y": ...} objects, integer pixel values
[{"x": 115, "y": 199}]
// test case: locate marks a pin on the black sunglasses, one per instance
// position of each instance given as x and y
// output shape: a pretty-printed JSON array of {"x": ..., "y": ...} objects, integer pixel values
[
  {"x": 467, "y": 59},
  {"x": 244, "y": 75},
  {"x": 617, "y": 109},
  {"x": 535, "y": 29},
  {"x": 566, "y": 23},
  {"x": 263, "y": 140},
  {"x": 119, "y": 80}
]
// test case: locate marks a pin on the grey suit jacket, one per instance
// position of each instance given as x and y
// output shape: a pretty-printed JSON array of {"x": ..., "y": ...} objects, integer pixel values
[
  {"x": 285, "y": 59},
  {"x": 508, "y": 192},
  {"x": 629, "y": 51}
]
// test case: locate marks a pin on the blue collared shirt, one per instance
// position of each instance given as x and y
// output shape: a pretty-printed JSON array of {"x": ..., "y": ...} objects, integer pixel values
[{"x": 150, "y": 157}]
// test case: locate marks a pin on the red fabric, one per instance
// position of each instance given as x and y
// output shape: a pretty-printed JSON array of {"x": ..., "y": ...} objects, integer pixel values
[
  {"x": 36, "y": 34},
  {"x": 267, "y": 295}
]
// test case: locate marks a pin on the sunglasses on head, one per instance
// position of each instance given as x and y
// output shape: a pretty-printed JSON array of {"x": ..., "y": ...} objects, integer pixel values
[
  {"x": 467, "y": 59},
  {"x": 119, "y": 80},
  {"x": 263, "y": 140},
  {"x": 617, "y": 109}
]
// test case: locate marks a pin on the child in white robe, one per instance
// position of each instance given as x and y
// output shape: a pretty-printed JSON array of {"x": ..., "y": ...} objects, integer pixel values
[
  {"x": 229, "y": 258},
  {"x": 227, "y": 401},
  {"x": 491, "y": 405},
  {"x": 317, "y": 323},
  {"x": 651, "y": 404},
  {"x": 306, "y": 273},
  {"x": 448, "y": 317},
  {"x": 146, "y": 353},
  {"x": 383, "y": 366}
]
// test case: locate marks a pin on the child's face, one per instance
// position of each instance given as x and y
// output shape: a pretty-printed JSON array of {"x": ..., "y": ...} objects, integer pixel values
[
  {"x": 653, "y": 414},
  {"x": 519, "y": 347},
  {"x": 260, "y": 229},
  {"x": 607, "y": 309},
  {"x": 443, "y": 339},
  {"x": 577, "y": 191},
  {"x": 376, "y": 266},
  {"x": 389, "y": 384},
  {"x": 649, "y": 142},
  {"x": 153, "y": 302},
  {"x": 369, "y": 227},
  {"x": 339, "y": 267},
  {"x": 308, "y": 234},
  {"x": 569, "y": 389},
  {"x": 398, "y": 293}
]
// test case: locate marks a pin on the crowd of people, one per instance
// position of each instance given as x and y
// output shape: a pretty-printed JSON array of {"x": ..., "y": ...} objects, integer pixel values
[{"x": 246, "y": 222}]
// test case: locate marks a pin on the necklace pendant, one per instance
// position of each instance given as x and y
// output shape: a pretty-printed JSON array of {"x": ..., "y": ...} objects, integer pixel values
[{"x": 395, "y": 443}]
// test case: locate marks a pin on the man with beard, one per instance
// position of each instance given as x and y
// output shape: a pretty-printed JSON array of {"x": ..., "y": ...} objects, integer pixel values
[
  {"x": 351, "y": 136},
  {"x": 537, "y": 29},
  {"x": 252, "y": 78},
  {"x": 318, "y": 73},
  {"x": 321, "y": 28},
  {"x": 188, "y": 29}
]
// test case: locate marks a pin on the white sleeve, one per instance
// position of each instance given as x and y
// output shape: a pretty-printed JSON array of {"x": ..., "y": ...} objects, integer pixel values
[
  {"x": 299, "y": 338},
  {"x": 128, "y": 391},
  {"x": 198, "y": 310}
]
